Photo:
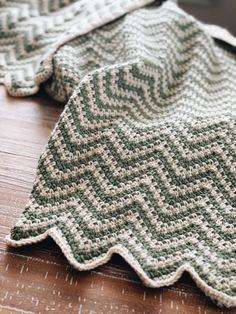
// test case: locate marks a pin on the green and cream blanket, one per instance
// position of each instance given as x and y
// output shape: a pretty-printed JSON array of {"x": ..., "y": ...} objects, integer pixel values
[{"x": 143, "y": 159}]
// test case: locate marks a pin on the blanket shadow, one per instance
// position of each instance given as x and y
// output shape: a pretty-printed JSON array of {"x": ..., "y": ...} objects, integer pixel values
[{"x": 43, "y": 264}]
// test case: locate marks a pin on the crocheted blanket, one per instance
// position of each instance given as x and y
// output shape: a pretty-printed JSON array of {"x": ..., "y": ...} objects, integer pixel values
[{"x": 143, "y": 159}]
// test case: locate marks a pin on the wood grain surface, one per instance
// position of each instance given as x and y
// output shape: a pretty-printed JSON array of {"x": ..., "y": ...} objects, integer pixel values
[{"x": 37, "y": 278}]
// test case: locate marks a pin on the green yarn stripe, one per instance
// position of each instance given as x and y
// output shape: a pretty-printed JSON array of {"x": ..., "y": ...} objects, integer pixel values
[{"x": 142, "y": 161}]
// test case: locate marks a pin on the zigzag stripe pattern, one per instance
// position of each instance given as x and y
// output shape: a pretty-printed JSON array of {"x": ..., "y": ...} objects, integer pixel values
[
  {"x": 32, "y": 30},
  {"x": 143, "y": 159}
]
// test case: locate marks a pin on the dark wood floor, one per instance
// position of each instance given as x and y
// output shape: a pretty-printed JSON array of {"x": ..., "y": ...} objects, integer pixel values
[
  {"x": 220, "y": 12},
  {"x": 38, "y": 279}
]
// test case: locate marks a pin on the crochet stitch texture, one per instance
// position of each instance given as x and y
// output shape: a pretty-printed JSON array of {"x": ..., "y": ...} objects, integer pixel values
[{"x": 142, "y": 161}]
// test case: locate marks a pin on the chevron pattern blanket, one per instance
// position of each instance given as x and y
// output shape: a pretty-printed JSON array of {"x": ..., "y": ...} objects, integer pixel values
[{"x": 143, "y": 159}]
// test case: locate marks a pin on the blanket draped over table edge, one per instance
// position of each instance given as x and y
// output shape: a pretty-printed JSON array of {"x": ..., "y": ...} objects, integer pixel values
[{"x": 151, "y": 101}]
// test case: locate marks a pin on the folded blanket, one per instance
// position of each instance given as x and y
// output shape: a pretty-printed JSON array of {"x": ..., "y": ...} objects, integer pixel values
[{"x": 143, "y": 159}]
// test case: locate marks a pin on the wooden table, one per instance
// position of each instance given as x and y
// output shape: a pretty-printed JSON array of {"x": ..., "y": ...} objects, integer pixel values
[{"x": 37, "y": 278}]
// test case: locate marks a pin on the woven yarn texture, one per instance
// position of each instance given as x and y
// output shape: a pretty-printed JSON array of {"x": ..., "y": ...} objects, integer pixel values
[{"x": 143, "y": 159}]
